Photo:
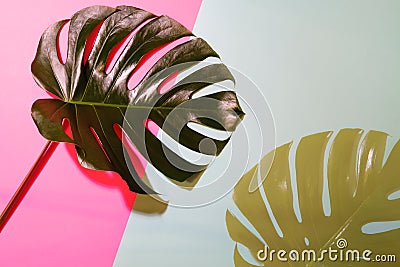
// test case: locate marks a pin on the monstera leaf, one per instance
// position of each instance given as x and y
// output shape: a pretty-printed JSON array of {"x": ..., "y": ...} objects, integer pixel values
[
  {"x": 359, "y": 189},
  {"x": 96, "y": 101}
]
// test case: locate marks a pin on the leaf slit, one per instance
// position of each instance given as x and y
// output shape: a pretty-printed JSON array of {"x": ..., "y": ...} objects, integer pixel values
[
  {"x": 62, "y": 43},
  {"x": 210, "y": 132},
  {"x": 293, "y": 183},
  {"x": 67, "y": 129},
  {"x": 149, "y": 59},
  {"x": 99, "y": 142},
  {"x": 117, "y": 50},
  {"x": 168, "y": 83},
  {"x": 326, "y": 199},
  {"x": 181, "y": 150},
  {"x": 138, "y": 161},
  {"x": 226, "y": 85},
  {"x": 90, "y": 42}
]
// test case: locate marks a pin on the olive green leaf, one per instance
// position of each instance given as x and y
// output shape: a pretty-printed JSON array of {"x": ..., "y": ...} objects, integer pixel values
[
  {"x": 96, "y": 102},
  {"x": 359, "y": 185}
]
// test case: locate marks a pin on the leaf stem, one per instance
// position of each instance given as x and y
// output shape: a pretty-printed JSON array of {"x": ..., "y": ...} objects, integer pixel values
[{"x": 27, "y": 183}]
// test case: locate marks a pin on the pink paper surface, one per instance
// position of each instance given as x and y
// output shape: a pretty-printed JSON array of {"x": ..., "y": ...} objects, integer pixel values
[{"x": 71, "y": 216}]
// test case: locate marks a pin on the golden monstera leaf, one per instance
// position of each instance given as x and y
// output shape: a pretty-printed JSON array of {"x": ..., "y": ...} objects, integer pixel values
[{"x": 361, "y": 187}]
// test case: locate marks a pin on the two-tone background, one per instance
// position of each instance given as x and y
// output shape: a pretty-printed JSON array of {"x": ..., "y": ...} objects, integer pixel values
[{"x": 322, "y": 65}]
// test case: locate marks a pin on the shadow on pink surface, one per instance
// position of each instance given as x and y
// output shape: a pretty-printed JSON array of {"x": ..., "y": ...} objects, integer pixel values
[{"x": 71, "y": 216}]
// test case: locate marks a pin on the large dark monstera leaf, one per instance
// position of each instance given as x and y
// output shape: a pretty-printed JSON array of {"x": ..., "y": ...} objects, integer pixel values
[{"x": 95, "y": 102}]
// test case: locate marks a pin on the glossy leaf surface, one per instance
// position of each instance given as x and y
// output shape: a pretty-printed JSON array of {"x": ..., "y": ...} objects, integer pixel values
[{"x": 95, "y": 101}]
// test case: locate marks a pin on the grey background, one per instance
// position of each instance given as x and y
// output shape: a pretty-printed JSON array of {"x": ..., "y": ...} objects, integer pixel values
[{"x": 322, "y": 65}]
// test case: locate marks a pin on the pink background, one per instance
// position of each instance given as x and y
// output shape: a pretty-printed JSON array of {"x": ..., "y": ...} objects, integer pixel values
[{"x": 71, "y": 216}]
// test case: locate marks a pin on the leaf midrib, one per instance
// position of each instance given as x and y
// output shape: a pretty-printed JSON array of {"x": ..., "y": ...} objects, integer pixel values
[
  {"x": 346, "y": 222},
  {"x": 131, "y": 106}
]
